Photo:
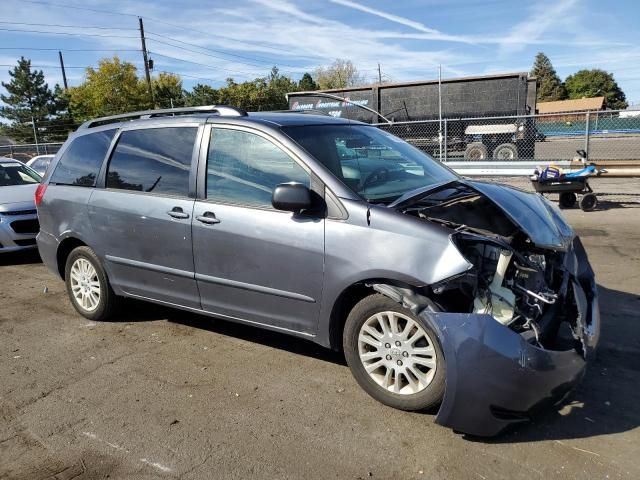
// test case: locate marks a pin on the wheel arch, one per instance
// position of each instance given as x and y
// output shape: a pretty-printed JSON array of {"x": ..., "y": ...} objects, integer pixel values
[
  {"x": 410, "y": 296},
  {"x": 65, "y": 247}
]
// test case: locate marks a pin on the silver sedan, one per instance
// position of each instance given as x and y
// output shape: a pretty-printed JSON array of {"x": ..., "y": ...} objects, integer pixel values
[{"x": 18, "y": 217}]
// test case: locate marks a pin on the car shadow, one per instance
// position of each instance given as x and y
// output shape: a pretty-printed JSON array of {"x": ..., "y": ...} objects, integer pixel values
[
  {"x": 608, "y": 399},
  {"x": 139, "y": 311},
  {"x": 23, "y": 257}
]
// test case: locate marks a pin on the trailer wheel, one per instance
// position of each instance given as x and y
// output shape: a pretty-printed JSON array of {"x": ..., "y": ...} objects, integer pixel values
[
  {"x": 505, "y": 151},
  {"x": 567, "y": 199},
  {"x": 588, "y": 202},
  {"x": 476, "y": 151}
]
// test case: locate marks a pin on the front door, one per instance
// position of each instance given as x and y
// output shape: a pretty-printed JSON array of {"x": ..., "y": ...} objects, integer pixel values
[
  {"x": 253, "y": 262},
  {"x": 142, "y": 218}
]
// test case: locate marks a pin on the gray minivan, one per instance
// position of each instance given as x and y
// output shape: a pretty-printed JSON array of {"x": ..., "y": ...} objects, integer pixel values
[{"x": 469, "y": 295}]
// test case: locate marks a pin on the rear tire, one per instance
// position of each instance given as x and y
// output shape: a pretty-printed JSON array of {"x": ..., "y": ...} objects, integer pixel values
[
  {"x": 88, "y": 286},
  {"x": 394, "y": 356},
  {"x": 567, "y": 199},
  {"x": 476, "y": 152},
  {"x": 505, "y": 152}
]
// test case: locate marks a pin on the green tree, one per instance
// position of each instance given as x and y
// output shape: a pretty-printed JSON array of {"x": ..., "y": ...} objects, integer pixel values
[
  {"x": 202, "y": 95},
  {"x": 306, "y": 83},
  {"x": 596, "y": 83},
  {"x": 167, "y": 91},
  {"x": 29, "y": 100},
  {"x": 112, "y": 88},
  {"x": 550, "y": 87},
  {"x": 340, "y": 74}
]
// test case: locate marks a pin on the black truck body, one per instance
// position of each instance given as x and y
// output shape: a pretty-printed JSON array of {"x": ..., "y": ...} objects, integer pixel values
[{"x": 465, "y": 103}]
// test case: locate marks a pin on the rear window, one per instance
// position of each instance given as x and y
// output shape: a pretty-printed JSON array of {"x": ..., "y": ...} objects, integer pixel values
[
  {"x": 154, "y": 160},
  {"x": 81, "y": 162}
]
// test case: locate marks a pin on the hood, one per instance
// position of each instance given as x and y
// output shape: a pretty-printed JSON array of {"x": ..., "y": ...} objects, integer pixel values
[
  {"x": 18, "y": 197},
  {"x": 536, "y": 216},
  {"x": 533, "y": 214}
]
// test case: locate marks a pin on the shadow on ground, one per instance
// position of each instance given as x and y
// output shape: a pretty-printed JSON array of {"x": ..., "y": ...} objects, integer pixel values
[
  {"x": 139, "y": 311},
  {"x": 24, "y": 257}
]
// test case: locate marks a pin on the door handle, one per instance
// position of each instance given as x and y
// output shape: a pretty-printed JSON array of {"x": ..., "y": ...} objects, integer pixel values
[
  {"x": 177, "y": 212},
  {"x": 208, "y": 217}
]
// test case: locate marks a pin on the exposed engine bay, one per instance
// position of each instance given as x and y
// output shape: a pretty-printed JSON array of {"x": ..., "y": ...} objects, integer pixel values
[{"x": 522, "y": 286}]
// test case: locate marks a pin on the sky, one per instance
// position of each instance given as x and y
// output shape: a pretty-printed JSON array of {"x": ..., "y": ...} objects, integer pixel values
[{"x": 209, "y": 41}]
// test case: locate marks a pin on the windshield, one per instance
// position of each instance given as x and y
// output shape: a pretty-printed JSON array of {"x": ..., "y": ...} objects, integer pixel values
[
  {"x": 15, "y": 174},
  {"x": 373, "y": 163}
]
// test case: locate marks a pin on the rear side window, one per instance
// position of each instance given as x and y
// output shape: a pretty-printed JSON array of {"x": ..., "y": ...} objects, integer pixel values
[
  {"x": 154, "y": 160},
  {"x": 81, "y": 162}
]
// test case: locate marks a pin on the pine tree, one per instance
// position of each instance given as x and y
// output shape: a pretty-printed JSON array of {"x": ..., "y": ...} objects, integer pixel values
[
  {"x": 306, "y": 83},
  {"x": 550, "y": 87},
  {"x": 29, "y": 100}
]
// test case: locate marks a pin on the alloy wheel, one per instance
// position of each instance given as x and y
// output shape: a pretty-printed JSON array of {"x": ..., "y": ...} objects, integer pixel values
[
  {"x": 397, "y": 353},
  {"x": 85, "y": 284}
]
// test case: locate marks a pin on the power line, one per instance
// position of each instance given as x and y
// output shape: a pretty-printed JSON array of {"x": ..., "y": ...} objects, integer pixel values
[
  {"x": 213, "y": 50},
  {"x": 66, "y": 26},
  {"x": 77, "y": 7},
  {"x": 73, "y": 49},
  {"x": 202, "y": 64},
  {"x": 48, "y": 32}
]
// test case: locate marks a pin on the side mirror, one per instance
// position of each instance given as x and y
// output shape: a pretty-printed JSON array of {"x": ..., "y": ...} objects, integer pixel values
[{"x": 291, "y": 197}]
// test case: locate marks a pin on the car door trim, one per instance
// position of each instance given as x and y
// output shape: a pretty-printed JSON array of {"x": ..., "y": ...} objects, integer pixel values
[
  {"x": 150, "y": 266},
  {"x": 254, "y": 288},
  {"x": 210, "y": 313}
]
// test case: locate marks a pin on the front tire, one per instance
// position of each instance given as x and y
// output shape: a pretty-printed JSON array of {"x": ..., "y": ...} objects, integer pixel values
[
  {"x": 394, "y": 356},
  {"x": 87, "y": 285}
]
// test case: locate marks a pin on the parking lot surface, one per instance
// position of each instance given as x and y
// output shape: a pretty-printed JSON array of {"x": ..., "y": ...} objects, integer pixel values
[{"x": 159, "y": 393}]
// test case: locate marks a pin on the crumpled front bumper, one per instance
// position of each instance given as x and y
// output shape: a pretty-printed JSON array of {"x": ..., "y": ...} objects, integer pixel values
[{"x": 494, "y": 377}]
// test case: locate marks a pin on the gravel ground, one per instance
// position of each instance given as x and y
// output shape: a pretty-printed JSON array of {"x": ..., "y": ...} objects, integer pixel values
[{"x": 159, "y": 393}]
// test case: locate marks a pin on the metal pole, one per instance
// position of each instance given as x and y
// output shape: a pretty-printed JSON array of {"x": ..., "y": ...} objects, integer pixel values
[
  {"x": 35, "y": 134},
  {"x": 440, "y": 108},
  {"x": 64, "y": 74},
  {"x": 586, "y": 136},
  {"x": 445, "y": 140},
  {"x": 146, "y": 62},
  {"x": 379, "y": 74}
]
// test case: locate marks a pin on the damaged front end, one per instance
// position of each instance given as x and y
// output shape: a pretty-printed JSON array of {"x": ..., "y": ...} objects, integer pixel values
[{"x": 517, "y": 328}]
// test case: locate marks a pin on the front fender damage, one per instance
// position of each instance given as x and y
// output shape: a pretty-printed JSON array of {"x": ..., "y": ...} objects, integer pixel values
[{"x": 494, "y": 377}]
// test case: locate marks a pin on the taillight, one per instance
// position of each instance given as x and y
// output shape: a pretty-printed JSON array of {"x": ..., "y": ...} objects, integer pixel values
[{"x": 40, "y": 193}]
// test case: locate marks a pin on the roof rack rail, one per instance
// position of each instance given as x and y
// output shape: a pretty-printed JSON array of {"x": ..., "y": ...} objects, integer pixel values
[{"x": 222, "y": 110}]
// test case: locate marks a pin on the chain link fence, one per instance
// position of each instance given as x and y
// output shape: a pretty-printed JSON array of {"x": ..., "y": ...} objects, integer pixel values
[
  {"x": 25, "y": 152},
  {"x": 603, "y": 135}
]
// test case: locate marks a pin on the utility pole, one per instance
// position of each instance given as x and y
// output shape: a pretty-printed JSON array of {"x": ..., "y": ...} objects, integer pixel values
[
  {"x": 440, "y": 109},
  {"x": 35, "y": 134},
  {"x": 379, "y": 74},
  {"x": 64, "y": 74},
  {"x": 146, "y": 61}
]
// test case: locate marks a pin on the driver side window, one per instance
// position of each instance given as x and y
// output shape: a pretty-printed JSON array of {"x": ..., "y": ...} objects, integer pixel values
[{"x": 244, "y": 168}]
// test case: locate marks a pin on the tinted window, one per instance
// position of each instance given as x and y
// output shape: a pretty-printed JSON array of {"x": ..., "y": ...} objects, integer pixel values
[
  {"x": 16, "y": 174},
  {"x": 244, "y": 168},
  {"x": 81, "y": 162},
  {"x": 154, "y": 160}
]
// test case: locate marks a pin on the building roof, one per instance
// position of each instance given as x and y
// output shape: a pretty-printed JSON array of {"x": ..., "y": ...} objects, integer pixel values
[{"x": 576, "y": 105}]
